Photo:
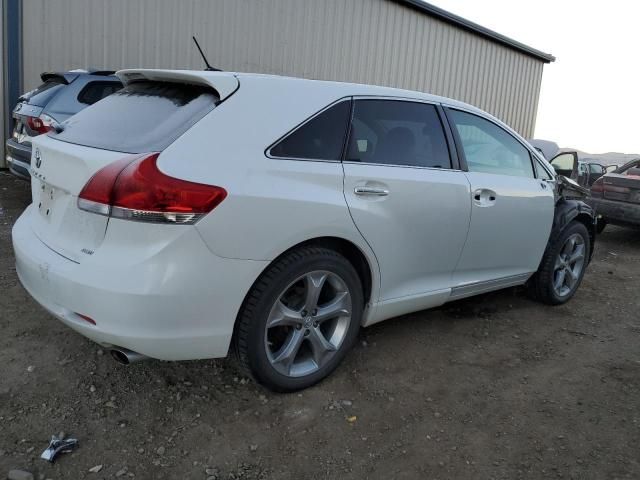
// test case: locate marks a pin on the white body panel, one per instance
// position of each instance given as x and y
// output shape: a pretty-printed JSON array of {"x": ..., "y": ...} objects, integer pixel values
[
  {"x": 155, "y": 289},
  {"x": 416, "y": 258},
  {"x": 507, "y": 236},
  {"x": 174, "y": 291},
  {"x": 63, "y": 171}
]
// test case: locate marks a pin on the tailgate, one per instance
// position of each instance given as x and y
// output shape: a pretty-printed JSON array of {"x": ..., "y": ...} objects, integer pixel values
[
  {"x": 148, "y": 114},
  {"x": 59, "y": 171}
]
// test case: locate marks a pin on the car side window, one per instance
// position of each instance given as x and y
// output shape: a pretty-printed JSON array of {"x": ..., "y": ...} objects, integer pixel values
[
  {"x": 94, "y": 91},
  {"x": 583, "y": 169},
  {"x": 541, "y": 172},
  {"x": 489, "y": 148},
  {"x": 321, "y": 138},
  {"x": 395, "y": 132},
  {"x": 595, "y": 168},
  {"x": 563, "y": 161}
]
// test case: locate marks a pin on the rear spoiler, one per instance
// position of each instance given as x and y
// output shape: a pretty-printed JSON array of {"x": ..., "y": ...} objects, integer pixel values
[
  {"x": 68, "y": 77},
  {"x": 65, "y": 78},
  {"x": 225, "y": 83}
]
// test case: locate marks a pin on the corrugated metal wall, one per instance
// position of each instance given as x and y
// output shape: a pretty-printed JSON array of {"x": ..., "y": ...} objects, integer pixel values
[
  {"x": 368, "y": 41},
  {"x": 3, "y": 112}
]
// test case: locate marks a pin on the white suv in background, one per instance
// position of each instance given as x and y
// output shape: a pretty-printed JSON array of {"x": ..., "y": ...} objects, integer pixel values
[{"x": 194, "y": 211}]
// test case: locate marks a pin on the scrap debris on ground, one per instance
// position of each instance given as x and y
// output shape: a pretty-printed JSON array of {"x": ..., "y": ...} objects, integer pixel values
[{"x": 495, "y": 386}]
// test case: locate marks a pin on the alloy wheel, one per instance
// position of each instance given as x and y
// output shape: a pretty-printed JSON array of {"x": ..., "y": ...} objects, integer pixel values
[
  {"x": 308, "y": 323},
  {"x": 569, "y": 265}
]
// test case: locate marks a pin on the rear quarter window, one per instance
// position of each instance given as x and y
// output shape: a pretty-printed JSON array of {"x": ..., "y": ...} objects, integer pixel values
[
  {"x": 320, "y": 138},
  {"x": 41, "y": 95},
  {"x": 142, "y": 117}
]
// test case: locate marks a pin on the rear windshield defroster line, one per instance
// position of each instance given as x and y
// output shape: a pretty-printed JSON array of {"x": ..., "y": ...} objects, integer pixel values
[{"x": 144, "y": 116}]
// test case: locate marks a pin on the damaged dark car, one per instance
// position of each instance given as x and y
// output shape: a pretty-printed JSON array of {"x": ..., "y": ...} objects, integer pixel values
[{"x": 616, "y": 196}]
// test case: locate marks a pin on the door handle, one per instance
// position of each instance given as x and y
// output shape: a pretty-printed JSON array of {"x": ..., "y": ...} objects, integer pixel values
[
  {"x": 484, "y": 197},
  {"x": 371, "y": 191}
]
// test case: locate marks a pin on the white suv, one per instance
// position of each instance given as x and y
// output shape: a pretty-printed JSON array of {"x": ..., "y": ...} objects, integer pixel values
[{"x": 194, "y": 211}]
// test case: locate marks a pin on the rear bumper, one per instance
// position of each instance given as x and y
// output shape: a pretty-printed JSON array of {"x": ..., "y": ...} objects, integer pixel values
[
  {"x": 617, "y": 212},
  {"x": 177, "y": 303},
  {"x": 18, "y": 159}
]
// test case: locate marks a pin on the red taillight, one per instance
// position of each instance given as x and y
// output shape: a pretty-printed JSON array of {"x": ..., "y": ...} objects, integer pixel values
[
  {"x": 99, "y": 188},
  {"x": 134, "y": 188},
  {"x": 38, "y": 125}
]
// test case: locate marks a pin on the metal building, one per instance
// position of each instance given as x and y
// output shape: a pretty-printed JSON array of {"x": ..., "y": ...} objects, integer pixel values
[{"x": 401, "y": 43}]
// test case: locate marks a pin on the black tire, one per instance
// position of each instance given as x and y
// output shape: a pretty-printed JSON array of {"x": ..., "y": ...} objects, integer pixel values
[
  {"x": 250, "y": 333},
  {"x": 540, "y": 285},
  {"x": 600, "y": 226}
]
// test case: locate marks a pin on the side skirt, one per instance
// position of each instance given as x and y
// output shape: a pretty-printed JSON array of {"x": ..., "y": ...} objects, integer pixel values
[
  {"x": 414, "y": 303},
  {"x": 477, "y": 288}
]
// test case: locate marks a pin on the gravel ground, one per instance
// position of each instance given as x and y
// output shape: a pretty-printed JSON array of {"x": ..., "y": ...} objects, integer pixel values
[{"x": 491, "y": 387}]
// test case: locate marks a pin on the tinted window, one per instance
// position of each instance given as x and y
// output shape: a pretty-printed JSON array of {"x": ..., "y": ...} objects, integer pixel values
[
  {"x": 397, "y": 133},
  {"x": 94, "y": 91},
  {"x": 489, "y": 148},
  {"x": 321, "y": 138},
  {"x": 142, "y": 117},
  {"x": 40, "y": 96}
]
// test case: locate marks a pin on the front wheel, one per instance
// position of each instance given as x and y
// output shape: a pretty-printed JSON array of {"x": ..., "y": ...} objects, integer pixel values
[
  {"x": 299, "y": 319},
  {"x": 563, "y": 266}
]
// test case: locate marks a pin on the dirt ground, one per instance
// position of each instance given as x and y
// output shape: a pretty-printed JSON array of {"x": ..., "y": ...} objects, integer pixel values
[{"x": 494, "y": 387}]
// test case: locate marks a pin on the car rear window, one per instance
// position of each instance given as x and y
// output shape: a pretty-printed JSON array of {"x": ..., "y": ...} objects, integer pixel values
[
  {"x": 41, "y": 95},
  {"x": 143, "y": 116},
  {"x": 96, "y": 91}
]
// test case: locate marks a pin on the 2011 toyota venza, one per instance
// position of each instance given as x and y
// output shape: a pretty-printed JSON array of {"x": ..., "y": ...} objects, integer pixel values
[{"x": 191, "y": 212}]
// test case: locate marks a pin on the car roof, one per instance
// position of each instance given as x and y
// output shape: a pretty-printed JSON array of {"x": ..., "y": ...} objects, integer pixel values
[
  {"x": 349, "y": 88},
  {"x": 227, "y": 82},
  {"x": 341, "y": 88}
]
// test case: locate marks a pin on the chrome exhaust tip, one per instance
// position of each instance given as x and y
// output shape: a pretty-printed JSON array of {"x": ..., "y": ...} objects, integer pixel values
[{"x": 126, "y": 356}]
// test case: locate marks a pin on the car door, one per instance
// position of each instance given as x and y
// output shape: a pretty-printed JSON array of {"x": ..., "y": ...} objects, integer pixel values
[
  {"x": 512, "y": 206},
  {"x": 407, "y": 198},
  {"x": 566, "y": 163},
  {"x": 595, "y": 172}
]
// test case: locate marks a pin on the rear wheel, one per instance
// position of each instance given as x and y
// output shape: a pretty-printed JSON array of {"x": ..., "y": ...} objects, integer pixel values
[
  {"x": 562, "y": 267},
  {"x": 299, "y": 319}
]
